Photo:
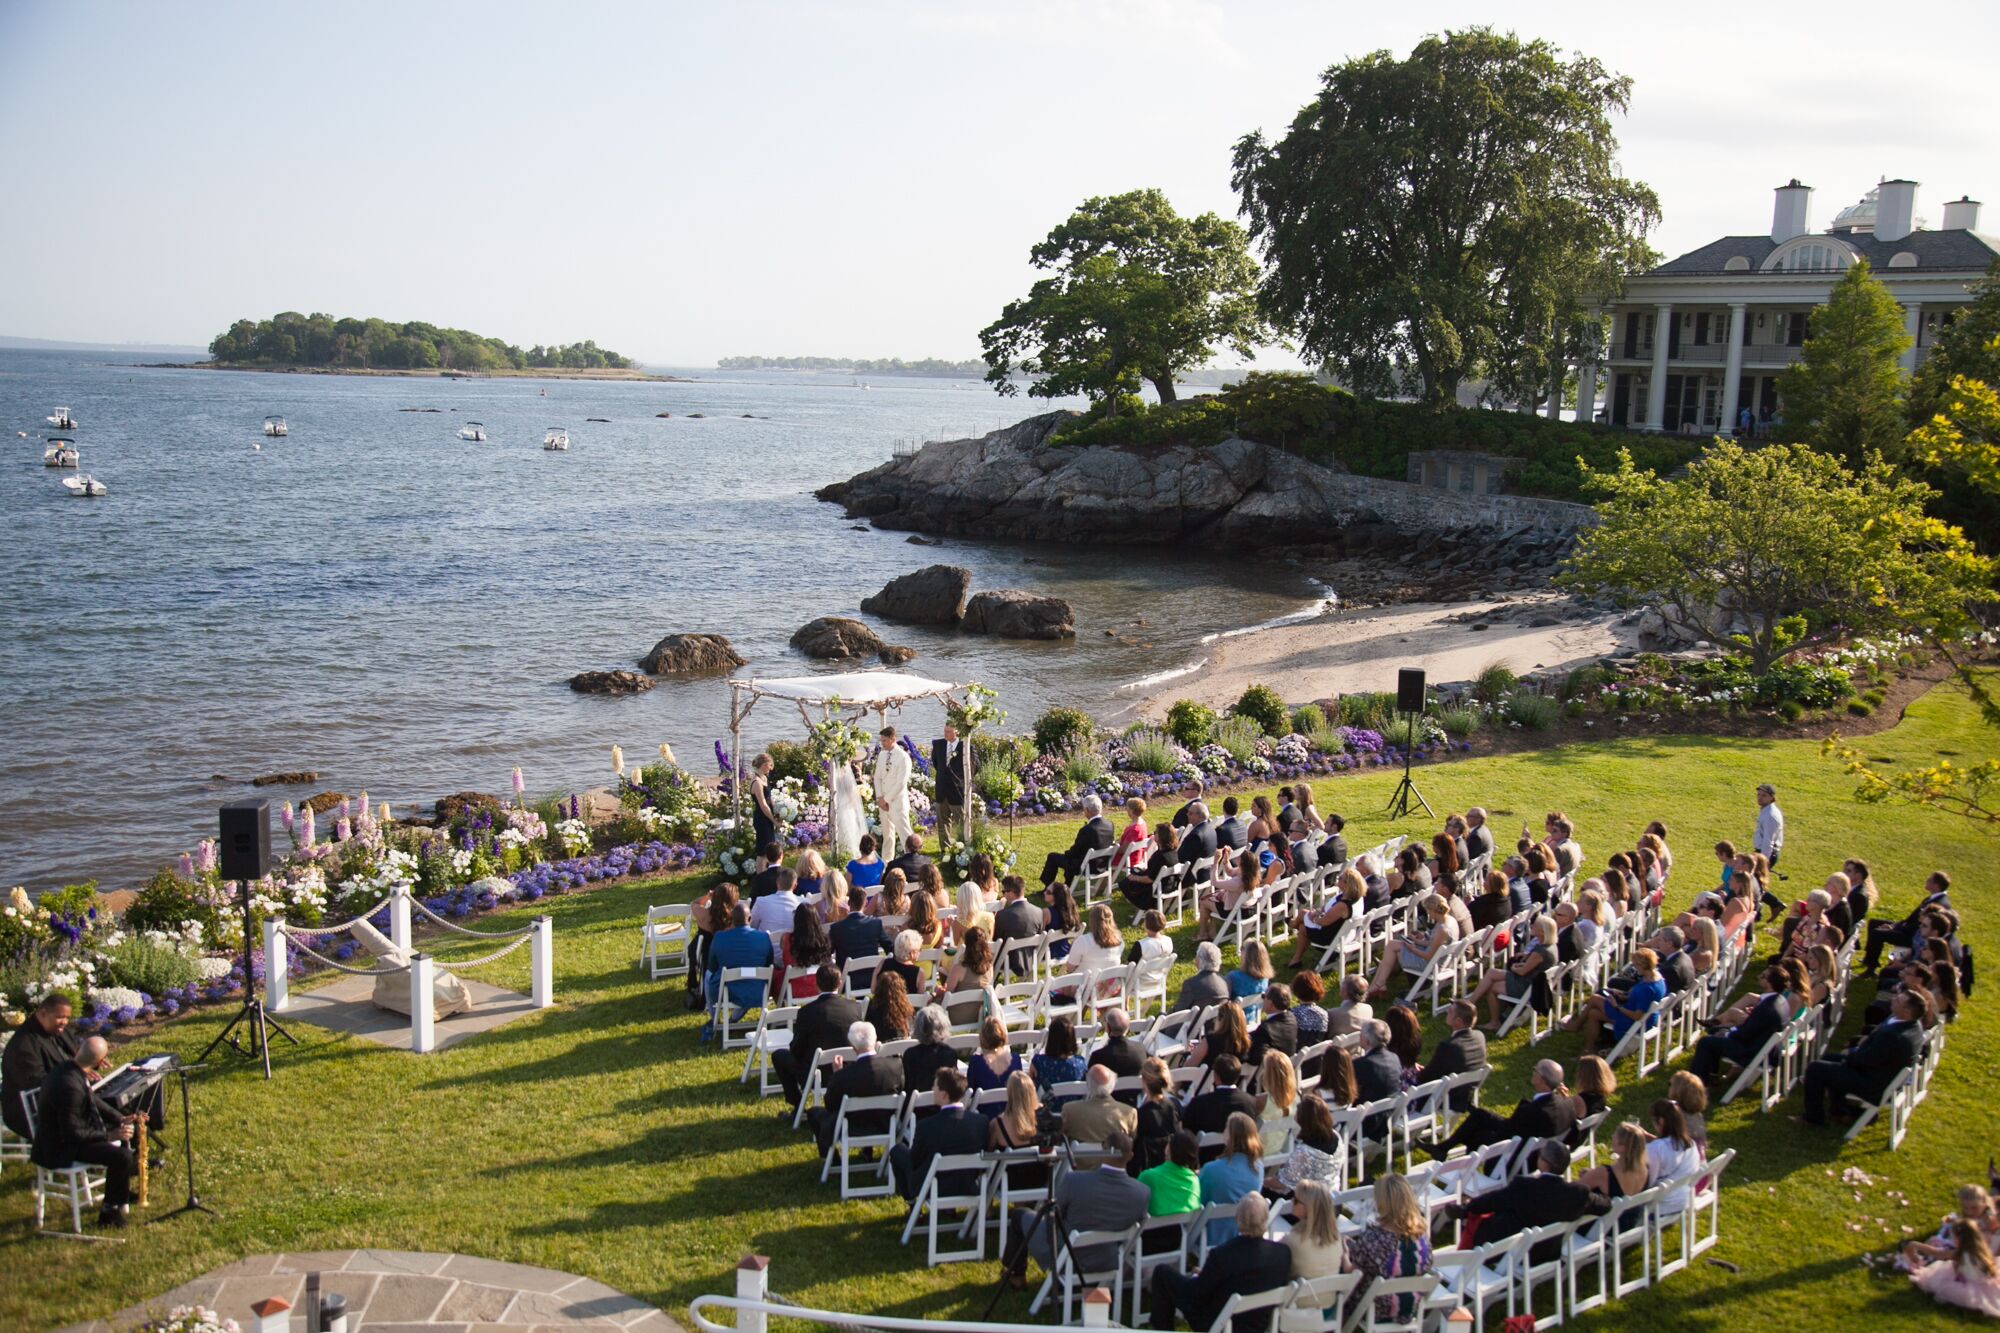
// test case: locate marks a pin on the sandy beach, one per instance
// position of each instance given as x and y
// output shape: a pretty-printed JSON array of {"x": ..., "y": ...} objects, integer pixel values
[{"x": 1345, "y": 652}]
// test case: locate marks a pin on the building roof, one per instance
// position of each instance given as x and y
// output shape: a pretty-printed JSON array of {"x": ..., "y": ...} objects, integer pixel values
[{"x": 1935, "y": 250}]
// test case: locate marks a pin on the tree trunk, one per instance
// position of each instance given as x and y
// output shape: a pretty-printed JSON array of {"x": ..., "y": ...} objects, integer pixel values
[{"x": 1164, "y": 386}]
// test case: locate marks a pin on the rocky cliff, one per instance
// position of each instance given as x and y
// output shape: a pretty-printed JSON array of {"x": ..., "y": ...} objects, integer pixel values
[{"x": 1237, "y": 494}]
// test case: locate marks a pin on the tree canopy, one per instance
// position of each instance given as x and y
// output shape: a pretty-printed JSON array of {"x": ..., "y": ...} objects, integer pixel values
[
  {"x": 1964, "y": 346},
  {"x": 1845, "y": 393},
  {"x": 1764, "y": 547},
  {"x": 1448, "y": 215},
  {"x": 292, "y": 339},
  {"x": 1135, "y": 293}
]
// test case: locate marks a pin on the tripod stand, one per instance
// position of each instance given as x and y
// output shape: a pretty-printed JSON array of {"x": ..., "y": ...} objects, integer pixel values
[
  {"x": 252, "y": 1012},
  {"x": 1406, "y": 790},
  {"x": 194, "y": 1203}
]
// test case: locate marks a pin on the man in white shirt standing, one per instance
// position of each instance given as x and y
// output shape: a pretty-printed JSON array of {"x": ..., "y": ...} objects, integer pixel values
[
  {"x": 892, "y": 789},
  {"x": 1769, "y": 840}
]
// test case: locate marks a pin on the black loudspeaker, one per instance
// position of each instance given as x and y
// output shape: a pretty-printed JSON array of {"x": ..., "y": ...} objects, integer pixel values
[
  {"x": 1410, "y": 690},
  {"x": 245, "y": 844}
]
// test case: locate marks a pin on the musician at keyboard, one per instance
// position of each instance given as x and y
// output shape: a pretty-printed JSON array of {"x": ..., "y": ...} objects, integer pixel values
[
  {"x": 75, "y": 1125},
  {"x": 41, "y": 1044}
]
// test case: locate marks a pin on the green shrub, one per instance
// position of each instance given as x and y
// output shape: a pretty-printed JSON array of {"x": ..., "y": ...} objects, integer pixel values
[
  {"x": 1153, "y": 751},
  {"x": 1458, "y": 723},
  {"x": 1008, "y": 753},
  {"x": 1375, "y": 711},
  {"x": 1534, "y": 712},
  {"x": 1283, "y": 408},
  {"x": 1573, "y": 708},
  {"x": 1307, "y": 718},
  {"x": 1063, "y": 729},
  {"x": 790, "y": 759},
  {"x": 1261, "y": 704},
  {"x": 167, "y": 901},
  {"x": 147, "y": 966},
  {"x": 1791, "y": 709},
  {"x": 1584, "y": 679},
  {"x": 1239, "y": 736},
  {"x": 1081, "y": 766},
  {"x": 1860, "y": 707},
  {"x": 1326, "y": 740},
  {"x": 997, "y": 782},
  {"x": 1190, "y": 723},
  {"x": 1495, "y": 683},
  {"x": 1199, "y": 422}
]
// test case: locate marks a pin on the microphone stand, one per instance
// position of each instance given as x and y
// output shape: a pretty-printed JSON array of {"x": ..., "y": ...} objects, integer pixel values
[{"x": 194, "y": 1203}]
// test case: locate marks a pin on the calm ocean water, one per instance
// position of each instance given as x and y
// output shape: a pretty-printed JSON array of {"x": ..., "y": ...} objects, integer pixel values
[{"x": 376, "y": 600}]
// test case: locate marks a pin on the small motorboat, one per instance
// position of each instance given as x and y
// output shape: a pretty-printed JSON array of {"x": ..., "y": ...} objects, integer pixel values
[
  {"x": 556, "y": 441},
  {"x": 62, "y": 420},
  {"x": 275, "y": 426},
  {"x": 472, "y": 430},
  {"x": 60, "y": 452},
  {"x": 83, "y": 486}
]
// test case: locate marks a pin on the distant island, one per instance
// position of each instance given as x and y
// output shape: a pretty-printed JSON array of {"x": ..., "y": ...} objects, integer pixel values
[
  {"x": 321, "y": 344},
  {"x": 930, "y": 366}
]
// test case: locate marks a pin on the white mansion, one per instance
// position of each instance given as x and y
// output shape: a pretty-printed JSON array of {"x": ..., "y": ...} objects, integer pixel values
[{"x": 1703, "y": 336}]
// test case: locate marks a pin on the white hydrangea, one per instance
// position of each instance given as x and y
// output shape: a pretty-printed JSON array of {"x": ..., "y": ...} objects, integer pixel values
[
  {"x": 212, "y": 969},
  {"x": 575, "y": 835},
  {"x": 118, "y": 997}
]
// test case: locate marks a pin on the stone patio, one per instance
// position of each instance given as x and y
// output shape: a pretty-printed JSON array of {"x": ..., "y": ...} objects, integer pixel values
[
  {"x": 397, "y": 1291},
  {"x": 347, "y": 1005}
]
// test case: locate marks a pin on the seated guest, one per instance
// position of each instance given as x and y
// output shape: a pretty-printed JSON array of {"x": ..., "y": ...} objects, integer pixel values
[
  {"x": 1868, "y": 1066},
  {"x": 1635, "y": 1006},
  {"x": 1807, "y": 931},
  {"x": 1397, "y": 1243},
  {"x": 1332, "y": 850},
  {"x": 924, "y": 920},
  {"x": 1353, "y": 1009},
  {"x": 1548, "y": 1112},
  {"x": 39, "y": 1046},
  {"x": 1197, "y": 842},
  {"x": 1520, "y": 893},
  {"x": 1406, "y": 1039},
  {"x": 765, "y": 878},
  {"x": 1691, "y": 1095},
  {"x": 1061, "y": 918},
  {"x": 857, "y": 935},
  {"x": 1477, "y": 837},
  {"x": 1102, "y": 1199},
  {"x": 1172, "y": 1186},
  {"x": 1525, "y": 974},
  {"x": 903, "y": 961},
  {"x": 1059, "y": 1060},
  {"x": 1154, "y": 945},
  {"x": 1139, "y": 881},
  {"x": 1206, "y": 987},
  {"x": 1302, "y": 848},
  {"x": 738, "y": 947},
  {"x": 1862, "y": 895},
  {"x": 1159, "y": 1115},
  {"x": 1672, "y": 1156},
  {"x": 1185, "y": 817},
  {"x": 1317, "y": 1154},
  {"x": 912, "y": 862},
  {"x": 1279, "y": 1031},
  {"x": 1460, "y": 1051},
  {"x": 989, "y": 1067},
  {"x": 1244, "y": 1264},
  {"x": 75, "y": 1125},
  {"x": 1135, "y": 843},
  {"x": 1595, "y": 1084},
  {"x": 1102, "y": 946},
  {"x": 1542, "y": 1198},
  {"x": 1095, "y": 1117},
  {"x": 1413, "y": 952},
  {"x": 1230, "y": 830},
  {"x": 1016, "y": 919},
  {"x": 970, "y": 974},
  {"x": 1318, "y": 927},
  {"x": 1307, "y": 992},
  {"x": 804, "y": 949},
  {"x": 1314, "y": 1240},
  {"x": 1208, "y": 1112},
  {"x": 972, "y": 912},
  {"x": 1237, "y": 1172},
  {"x": 953, "y": 1130},
  {"x": 808, "y": 871},
  {"x": 1628, "y": 1172},
  {"x": 889, "y": 1006},
  {"x": 866, "y": 1075},
  {"x": 1253, "y": 972},
  {"x": 772, "y": 912},
  {"x": 865, "y": 870},
  {"x": 1277, "y": 1098},
  {"x": 1095, "y": 835},
  {"x": 1903, "y": 934},
  {"x": 931, "y": 1027},
  {"x": 822, "y": 1022},
  {"x": 1376, "y": 892},
  {"x": 1118, "y": 1052},
  {"x": 1494, "y": 904},
  {"x": 1336, "y": 1078},
  {"x": 892, "y": 904},
  {"x": 1743, "y": 1040},
  {"x": 1018, "y": 1125},
  {"x": 1378, "y": 1073},
  {"x": 1227, "y": 1034},
  {"x": 1411, "y": 877}
]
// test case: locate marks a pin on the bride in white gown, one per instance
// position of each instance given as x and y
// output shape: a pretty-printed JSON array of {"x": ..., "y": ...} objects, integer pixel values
[{"x": 847, "y": 816}]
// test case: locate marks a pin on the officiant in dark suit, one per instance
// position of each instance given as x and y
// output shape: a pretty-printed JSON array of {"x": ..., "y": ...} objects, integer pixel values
[{"x": 952, "y": 765}]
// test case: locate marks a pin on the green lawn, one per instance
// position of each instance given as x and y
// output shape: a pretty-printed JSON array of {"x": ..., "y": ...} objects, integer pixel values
[{"x": 601, "y": 1139}]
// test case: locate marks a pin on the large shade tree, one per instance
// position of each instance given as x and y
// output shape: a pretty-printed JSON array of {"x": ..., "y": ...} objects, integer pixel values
[
  {"x": 1136, "y": 294},
  {"x": 1845, "y": 393},
  {"x": 1762, "y": 548},
  {"x": 1453, "y": 214}
]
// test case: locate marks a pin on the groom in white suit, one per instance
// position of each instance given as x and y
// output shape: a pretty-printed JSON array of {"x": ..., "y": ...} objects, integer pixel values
[{"x": 892, "y": 789}]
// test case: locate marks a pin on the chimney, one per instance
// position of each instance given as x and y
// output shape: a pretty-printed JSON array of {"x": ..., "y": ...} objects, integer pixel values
[
  {"x": 1962, "y": 214},
  {"x": 1895, "y": 209},
  {"x": 1792, "y": 215}
]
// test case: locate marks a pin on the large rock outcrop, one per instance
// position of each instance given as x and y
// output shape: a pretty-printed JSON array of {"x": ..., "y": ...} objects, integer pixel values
[
  {"x": 837, "y": 638},
  {"x": 1234, "y": 495},
  {"x": 933, "y": 595},
  {"x": 1013, "y": 614},
  {"x": 691, "y": 655}
]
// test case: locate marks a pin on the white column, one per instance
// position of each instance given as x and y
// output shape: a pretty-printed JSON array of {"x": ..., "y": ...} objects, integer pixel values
[
  {"x": 753, "y": 1283},
  {"x": 399, "y": 918},
  {"x": 542, "y": 963},
  {"x": 1913, "y": 324},
  {"x": 1732, "y": 369},
  {"x": 423, "y": 1004},
  {"x": 1586, "y": 391},
  {"x": 1656, "y": 392},
  {"x": 277, "y": 981},
  {"x": 1554, "y": 408}
]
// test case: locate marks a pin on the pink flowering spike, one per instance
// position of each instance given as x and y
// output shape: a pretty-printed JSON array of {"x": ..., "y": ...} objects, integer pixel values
[
  {"x": 187, "y": 866},
  {"x": 285, "y": 814},
  {"x": 305, "y": 834},
  {"x": 343, "y": 829},
  {"x": 364, "y": 804},
  {"x": 520, "y": 784},
  {"x": 346, "y": 808}
]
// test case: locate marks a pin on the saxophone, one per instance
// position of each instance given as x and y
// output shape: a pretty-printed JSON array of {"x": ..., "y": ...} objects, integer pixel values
[{"x": 139, "y": 1141}]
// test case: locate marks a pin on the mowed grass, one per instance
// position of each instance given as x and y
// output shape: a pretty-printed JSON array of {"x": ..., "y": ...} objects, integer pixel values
[{"x": 602, "y": 1139}]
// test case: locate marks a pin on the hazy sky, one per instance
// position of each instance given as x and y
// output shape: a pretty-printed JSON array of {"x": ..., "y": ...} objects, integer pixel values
[{"x": 682, "y": 182}]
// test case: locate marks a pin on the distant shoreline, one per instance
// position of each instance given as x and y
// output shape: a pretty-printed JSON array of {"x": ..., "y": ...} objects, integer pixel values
[{"x": 527, "y": 373}]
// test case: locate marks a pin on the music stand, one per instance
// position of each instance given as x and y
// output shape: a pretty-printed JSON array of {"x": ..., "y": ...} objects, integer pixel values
[
  {"x": 261, "y": 1023},
  {"x": 1406, "y": 791},
  {"x": 194, "y": 1203}
]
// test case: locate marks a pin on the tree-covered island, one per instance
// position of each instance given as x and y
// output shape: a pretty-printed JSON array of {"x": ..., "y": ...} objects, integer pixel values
[{"x": 321, "y": 342}]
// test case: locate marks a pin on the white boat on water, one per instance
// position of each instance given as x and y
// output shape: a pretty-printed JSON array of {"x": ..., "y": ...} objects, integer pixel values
[
  {"x": 59, "y": 453},
  {"x": 556, "y": 441},
  {"x": 275, "y": 426},
  {"x": 83, "y": 486},
  {"x": 472, "y": 430},
  {"x": 62, "y": 420}
]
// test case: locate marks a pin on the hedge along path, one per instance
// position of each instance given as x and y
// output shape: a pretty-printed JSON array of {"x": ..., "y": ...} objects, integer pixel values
[{"x": 601, "y": 1138}]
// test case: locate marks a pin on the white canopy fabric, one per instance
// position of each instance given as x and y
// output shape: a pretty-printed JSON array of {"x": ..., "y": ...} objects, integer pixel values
[{"x": 867, "y": 688}]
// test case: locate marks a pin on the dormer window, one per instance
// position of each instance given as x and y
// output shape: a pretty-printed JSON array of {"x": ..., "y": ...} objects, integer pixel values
[{"x": 1809, "y": 254}]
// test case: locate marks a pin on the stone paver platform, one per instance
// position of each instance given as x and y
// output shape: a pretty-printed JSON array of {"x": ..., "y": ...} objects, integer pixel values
[
  {"x": 348, "y": 1005},
  {"x": 398, "y": 1291}
]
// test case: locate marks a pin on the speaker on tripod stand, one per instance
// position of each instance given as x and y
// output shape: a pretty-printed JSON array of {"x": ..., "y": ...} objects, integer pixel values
[
  {"x": 244, "y": 855},
  {"x": 1410, "y": 703}
]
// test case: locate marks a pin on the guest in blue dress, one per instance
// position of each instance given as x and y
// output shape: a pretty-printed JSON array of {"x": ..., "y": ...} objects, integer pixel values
[
  {"x": 1059, "y": 1060},
  {"x": 994, "y": 1061},
  {"x": 1647, "y": 991},
  {"x": 865, "y": 870}
]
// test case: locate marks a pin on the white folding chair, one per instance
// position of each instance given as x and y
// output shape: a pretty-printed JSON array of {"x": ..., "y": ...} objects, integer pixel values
[
  {"x": 857, "y": 976},
  {"x": 731, "y": 1023},
  {"x": 849, "y": 1140},
  {"x": 1478, "y": 1277},
  {"x": 1103, "y": 1256},
  {"x": 1092, "y": 884},
  {"x": 933, "y": 1201},
  {"x": 80, "y": 1183},
  {"x": 773, "y": 1034},
  {"x": 1160, "y": 1243},
  {"x": 1248, "y": 1303},
  {"x": 1318, "y": 1304},
  {"x": 812, "y": 1092},
  {"x": 663, "y": 946},
  {"x": 1413, "y": 1303}
]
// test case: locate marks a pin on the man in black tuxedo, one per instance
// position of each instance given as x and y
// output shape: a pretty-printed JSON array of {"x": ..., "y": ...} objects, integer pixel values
[
  {"x": 1461, "y": 1051},
  {"x": 1231, "y": 832},
  {"x": 1547, "y": 1113},
  {"x": 866, "y": 1075},
  {"x": 821, "y": 1024},
  {"x": 1375, "y": 892},
  {"x": 1245, "y": 1265},
  {"x": 1209, "y": 1112},
  {"x": 1198, "y": 841},
  {"x": 1676, "y": 968},
  {"x": 953, "y": 1129},
  {"x": 1742, "y": 1042},
  {"x": 1332, "y": 849},
  {"x": 857, "y": 935},
  {"x": 1015, "y": 919},
  {"x": 951, "y": 766},
  {"x": 1871, "y": 1064},
  {"x": 1543, "y": 1198},
  {"x": 1301, "y": 850},
  {"x": 39, "y": 1046},
  {"x": 1119, "y": 1053},
  {"x": 1185, "y": 816},
  {"x": 1378, "y": 1072},
  {"x": 75, "y": 1125},
  {"x": 1903, "y": 934},
  {"x": 913, "y": 861},
  {"x": 1095, "y": 835},
  {"x": 770, "y": 858},
  {"x": 1280, "y": 1029}
]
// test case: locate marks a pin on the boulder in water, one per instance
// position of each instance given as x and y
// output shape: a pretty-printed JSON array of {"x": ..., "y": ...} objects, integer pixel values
[
  {"x": 933, "y": 595},
  {"x": 291, "y": 779},
  {"x": 324, "y": 801},
  {"x": 1013, "y": 614},
  {"x": 691, "y": 655},
  {"x": 610, "y": 682},
  {"x": 834, "y": 638}
]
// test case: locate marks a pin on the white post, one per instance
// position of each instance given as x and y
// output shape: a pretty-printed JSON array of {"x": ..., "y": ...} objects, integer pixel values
[
  {"x": 542, "y": 963},
  {"x": 1586, "y": 391},
  {"x": 1913, "y": 324},
  {"x": 399, "y": 918},
  {"x": 423, "y": 1004},
  {"x": 1656, "y": 392},
  {"x": 277, "y": 987},
  {"x": 1097, "y": 1308},
  {"x": 1732, "y": 369},
  {"x": 753, "y": 1283}
]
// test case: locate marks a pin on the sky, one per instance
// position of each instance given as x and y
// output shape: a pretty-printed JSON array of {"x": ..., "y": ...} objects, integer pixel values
[{"x": 682, "y": 182}]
